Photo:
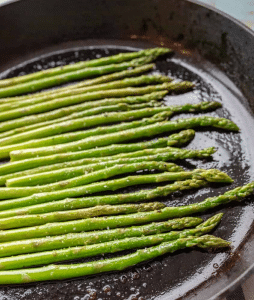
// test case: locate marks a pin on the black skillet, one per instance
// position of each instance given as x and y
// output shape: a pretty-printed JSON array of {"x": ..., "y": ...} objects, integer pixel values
[{"x": 212, "y": 50}]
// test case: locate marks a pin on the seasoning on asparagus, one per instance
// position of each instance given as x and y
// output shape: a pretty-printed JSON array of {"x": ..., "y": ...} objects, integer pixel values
[
  {"x": 89, "y": 238},
  {"x": 100, "y": 175},
  {"x": 72, "y": 136},
  {"x": 119, "y": 84},
  {"x": 75, "y": 203},
  {"x": 47, "y": 257},
  {"x": 87, "y": 184},
  {"x": 69, "y": 137},
  {"x": 58, "y": 272},
  {"x": 98, "y": 80},
  {"x": 72, "y": 169},
  {"x": 15, "y": 126},
  {"x": 34, "y": 166},
  {"x": 27, "y": 164},
  {"x": 8, "y": 114},
  {"x": 105, "y": 210},
  {"x": 36, "y": 85},
  {"x": 119, "y": 58},
  {"x": 126, "y": 135}
]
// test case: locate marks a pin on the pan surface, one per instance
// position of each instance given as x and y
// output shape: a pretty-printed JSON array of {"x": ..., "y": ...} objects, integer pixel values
[{"x": 189, "y": 274}]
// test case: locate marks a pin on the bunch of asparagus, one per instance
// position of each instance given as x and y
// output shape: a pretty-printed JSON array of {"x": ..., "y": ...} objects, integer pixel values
[{"x": 60, "y": 157}]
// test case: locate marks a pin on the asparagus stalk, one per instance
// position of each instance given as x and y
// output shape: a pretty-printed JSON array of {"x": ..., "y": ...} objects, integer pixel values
[
  {"x": 38, "y": 176},
  {"x": 15, "y": 126},
  {"x": 90, "y": 224},
  {"x": 89, "y": 182},
  {"x": 126, "y": 135},
  {"x": 98, "y": 80},
  {"x": 90, "y": 96},
  {"x": 96, "y": 176},
  {"x": 70, "y": 137},
  {"x": 77, "y": 170},
  {"x": 80, "y": 123},
  {"x": 36, "y": 85},
  {"x": 73, "y": 136},
  {"x": 105, "y": 210},
  {"x": 97, "y": 152},
  {"x": 72, "y": 169},
  {"x": 43, "y": 258},
  {"x": 89, "y": 238},
  {"x": 119, "y": 84},
  {"x": 212, "y": 175},
  {"x": 194, "y": 108},
  {"x": 84, "y": 122},
  {"x": 119, "y": 58},
  {"x": 34, "y": 165},
  {"x": 75, "y": 203},
  {"x": 81, "y": 134},
  {"x": 58, "y": 272}
]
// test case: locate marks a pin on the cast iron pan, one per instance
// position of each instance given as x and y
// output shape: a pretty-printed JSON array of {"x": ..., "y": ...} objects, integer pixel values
[{"x": 211, "y": 50}]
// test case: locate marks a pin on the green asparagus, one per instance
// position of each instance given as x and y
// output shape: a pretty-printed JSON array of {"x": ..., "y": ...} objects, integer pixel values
[
  {"x": 105, "y": 210},
  {"x": 36, "y": 85},
  {"x": 43, "y": 175},
  {"x": 15, "y": 126},
  {"x": 73, "y": 136},
  {"x": 83, "y": 64},
  {"x": 27, "y": 164},
  {"x": 97, "y": 95},
  {"x": 126, "y": 135},
  {"x": 58, "y": 272},
  {"x": 43, "y": 258},
  {"x": 14, "y": 169},
  {"x": 119, "y": 84},
  {"x": 87, "y": 184},
  {"x": 68, "y": 170},
  {"x": 96, "y": 176},
  {"x": 81, "y": 134},
  {"x": 75, "y": 203},
  {"x": 212, "y": 175},
  {"x": 89, "y": 238},
  {"x": 84, "y": 122},
  {"x": 98, "y": 80},
  {"x": 90, "y": 224}
]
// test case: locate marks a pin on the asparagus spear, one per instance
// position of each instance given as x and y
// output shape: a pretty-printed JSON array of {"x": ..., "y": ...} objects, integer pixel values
[
  {"x": 36, "y": 85},
  {"x": 39, "y": 176},
  {"x": 97, "y": 95},
  {"x": 43, "y": 258},
  {"x": 58, "y": 272},
  {"x": 73, "y": 136},
  {"x": 194, "y": 108},
  {"x": 105, "y": 210},
  {"x": 97, "y": 80},
  {"x": 81, "y": 134},
  {"x": 69, "y": 170},
  {"x": 84, "y": 122},
  {"x": 83, "y": 64},
  {"x": 24, "y": 124},
  {"x": 212, "y": 175},
  {"x": 97, "y": 152},
  {"x": 96, "y": 176},
  {"x": 126, "y": 135},
  {"x": 119, "y": 84},
  {"x": 34, "y": 165},
  {"x": 75, "y": 203},
  {"x": 88, "y": 185},
  {"x": 64, "y": 138},
  {"x": 89, "y": 238}
]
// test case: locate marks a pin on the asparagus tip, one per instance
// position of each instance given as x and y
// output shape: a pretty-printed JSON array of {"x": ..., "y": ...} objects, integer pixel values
[{"x": 214, "y": 175}]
